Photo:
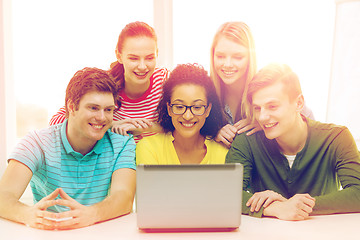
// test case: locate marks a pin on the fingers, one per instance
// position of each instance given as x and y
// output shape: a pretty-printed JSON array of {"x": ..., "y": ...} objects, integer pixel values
[
  {"x": 45, "y": 204},
  {"x": 72, "y": 204},
  {"x": 119, "y": 130},
  {"x": 51, "y": 221},
  {"x": 309, "y": 201},
  {"x": 244, "y": 129},
  {"x": 223, "y": 140},
  {"x": 48, "y": 201},
  {"x": 64, "y": 195},
  {"x": 254, "y": 130},
  {"x": 263, "y": 199},
  {"x": 256, "y": 201},
  {"x": 305, "y": 202},
  {"x": 242, "y": 123},
  {"x": 130, "y": 125},
  {"x": 142, "y": 123},
  {"x": 70, "y": 223},
  {"x": 226, "y": 135},
  {"x": 250, "y": 129},
  {"x": 42, "y": 220},
  {"x": 268, "y": 202},
  {"x": 52, "y": 195}
]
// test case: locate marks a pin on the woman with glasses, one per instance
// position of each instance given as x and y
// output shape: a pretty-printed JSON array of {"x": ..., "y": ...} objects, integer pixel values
[{"x": 190, "y": 116}]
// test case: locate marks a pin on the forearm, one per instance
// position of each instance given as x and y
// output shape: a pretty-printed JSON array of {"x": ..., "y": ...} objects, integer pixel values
[
  {"x": 12, "y": 186},
  {"x": 115, "y": 205},
  {"x": 344, "y": 201},
  {"x": 120, "y": 198},
  {"x": 11, "y": 208}
]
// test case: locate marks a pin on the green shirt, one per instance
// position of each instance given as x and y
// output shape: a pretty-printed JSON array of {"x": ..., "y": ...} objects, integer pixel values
[{"x": 329, "y": 160}]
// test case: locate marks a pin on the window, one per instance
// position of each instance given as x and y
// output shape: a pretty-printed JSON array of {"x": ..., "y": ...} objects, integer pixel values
[
  {"x": 52, "y": 40},
  {"x": 297, "y": 33}
]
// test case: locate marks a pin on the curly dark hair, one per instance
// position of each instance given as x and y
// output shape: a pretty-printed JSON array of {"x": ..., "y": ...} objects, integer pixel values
[{"x": 192, "y": 74}]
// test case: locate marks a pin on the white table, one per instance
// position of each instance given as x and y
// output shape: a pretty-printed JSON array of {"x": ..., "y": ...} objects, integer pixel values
[{"x": 341, "y": 226}]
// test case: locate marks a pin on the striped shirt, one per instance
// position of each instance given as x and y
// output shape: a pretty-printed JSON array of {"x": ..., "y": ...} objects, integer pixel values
[
  {"x": 142, "y": 107},
  {"x": 54, "y": 163}
]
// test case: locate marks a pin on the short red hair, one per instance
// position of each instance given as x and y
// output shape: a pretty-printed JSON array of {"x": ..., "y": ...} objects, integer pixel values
[{"x": 88, "y": 80}]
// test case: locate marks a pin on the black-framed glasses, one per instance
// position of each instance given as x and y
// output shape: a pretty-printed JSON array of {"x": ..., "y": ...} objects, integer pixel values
[{"x": 180, "y": 109}]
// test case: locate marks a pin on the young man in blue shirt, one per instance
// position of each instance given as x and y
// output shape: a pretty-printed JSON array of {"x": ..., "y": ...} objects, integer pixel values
[{"x": 79, "y": 171}]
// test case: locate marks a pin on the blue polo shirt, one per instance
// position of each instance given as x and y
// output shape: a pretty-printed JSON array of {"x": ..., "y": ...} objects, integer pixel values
[{"x": 54, "y": 163}]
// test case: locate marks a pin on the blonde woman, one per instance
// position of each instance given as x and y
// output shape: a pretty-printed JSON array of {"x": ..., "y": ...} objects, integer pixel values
[{"x": 232, "y": 66}]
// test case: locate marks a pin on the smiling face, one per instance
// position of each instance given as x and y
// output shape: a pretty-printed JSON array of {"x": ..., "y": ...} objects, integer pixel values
[
  {"x": 274, "y": 110},
  {"x": 138, "y": 55},
  {"x": 188, "y": 125},
  {"x": 89, "y": 121},
  {"x": 231, "y": 60}
]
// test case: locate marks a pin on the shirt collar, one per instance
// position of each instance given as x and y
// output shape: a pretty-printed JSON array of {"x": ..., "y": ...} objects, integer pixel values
[{"x": 68, "y": 148}]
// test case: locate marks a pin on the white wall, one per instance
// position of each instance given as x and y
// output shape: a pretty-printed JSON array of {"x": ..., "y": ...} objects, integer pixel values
[
  {"x": 344, "y": 93},
  {"x": 7, "y": 97}
]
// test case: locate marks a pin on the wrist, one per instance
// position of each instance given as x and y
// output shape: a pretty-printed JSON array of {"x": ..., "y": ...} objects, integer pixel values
[
  {"x": 95, "y": 212},
  {"x": 270, "y": 211}
]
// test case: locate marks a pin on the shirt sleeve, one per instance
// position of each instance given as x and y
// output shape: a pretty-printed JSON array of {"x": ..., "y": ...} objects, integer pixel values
[
  {"x": 347, "y": 168},
  {"x": 240, "y": 152},
  {"x": 126, "y": 156},
  {"x": 59, "y": 117},
  {"x": 28, "y": 152}
]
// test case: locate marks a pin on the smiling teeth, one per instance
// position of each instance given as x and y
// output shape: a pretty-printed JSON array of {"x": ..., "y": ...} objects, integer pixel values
[
  {"x": 188, "y": 124},
  {"x": 97, "y": 126},
  {"x": 228, "y": 73},
  {"x": 141, "y": 74},
  {"x": 270, "y": 125}
]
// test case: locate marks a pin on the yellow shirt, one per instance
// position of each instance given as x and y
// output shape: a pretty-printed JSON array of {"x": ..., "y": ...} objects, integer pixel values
[{"x": 159, "y": 149}]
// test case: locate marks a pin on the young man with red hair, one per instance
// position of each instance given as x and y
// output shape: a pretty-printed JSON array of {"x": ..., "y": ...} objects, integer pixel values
[{"x": 79, "y": 171}]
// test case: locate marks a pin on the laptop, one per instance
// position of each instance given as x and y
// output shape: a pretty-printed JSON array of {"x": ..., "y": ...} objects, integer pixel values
[{"x": 189, "y": 197}]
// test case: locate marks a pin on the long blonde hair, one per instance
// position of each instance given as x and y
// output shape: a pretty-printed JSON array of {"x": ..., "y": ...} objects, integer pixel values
[{"x": 240, "y": 33}]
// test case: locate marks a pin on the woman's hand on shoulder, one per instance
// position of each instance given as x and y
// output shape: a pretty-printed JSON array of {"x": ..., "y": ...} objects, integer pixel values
[
  {"x": 135, "y": 126},
  {"x": 245, "y": 125},
  {"x": 226, "y": 135}
]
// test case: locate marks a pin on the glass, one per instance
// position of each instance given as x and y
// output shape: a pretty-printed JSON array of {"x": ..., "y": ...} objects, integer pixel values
[{"x": 180, "y": 109}]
